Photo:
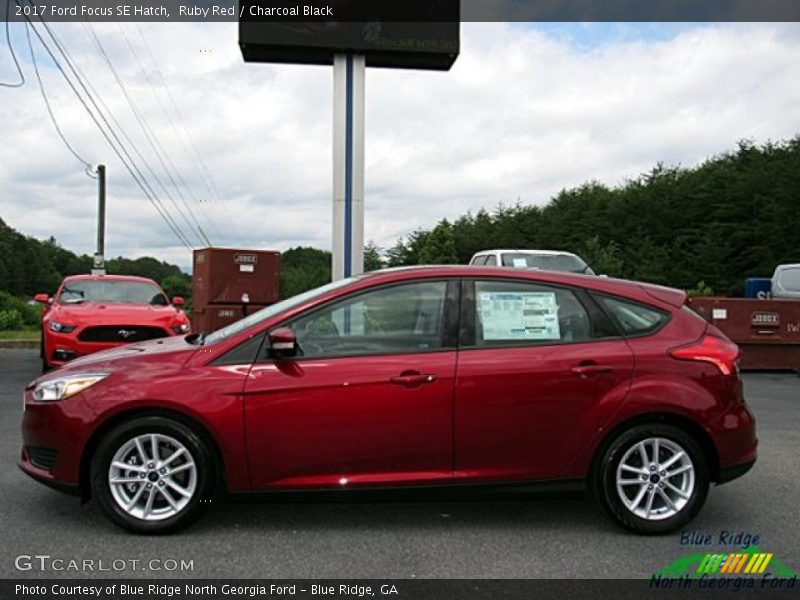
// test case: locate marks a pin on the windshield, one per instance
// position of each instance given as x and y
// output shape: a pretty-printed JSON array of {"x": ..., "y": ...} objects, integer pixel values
[
  {"x": 271, "y": 311},
  {"x": 117, "y": 292},
  {"x": 553, "y": 262}
]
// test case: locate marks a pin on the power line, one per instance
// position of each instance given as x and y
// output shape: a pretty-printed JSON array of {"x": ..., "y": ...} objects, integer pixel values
[
  {"x": 13, "y": 54},
  {"x": 208, "y": 181},
  {"x": 152, "y": 140},
  {"x": 131, "y": 168},
  {"x": 72, "y": 150},
  {"x": 154, "y": 89},
  {"x": 130, "y": 164}
]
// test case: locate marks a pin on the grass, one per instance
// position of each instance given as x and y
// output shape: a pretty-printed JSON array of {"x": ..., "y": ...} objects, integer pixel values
[{"x": 21, "y": 334}]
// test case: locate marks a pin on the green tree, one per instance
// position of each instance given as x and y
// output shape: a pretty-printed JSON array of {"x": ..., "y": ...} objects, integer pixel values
[
  {"x": 439, "y": 248},
  {"x": 372, "y": 257}
]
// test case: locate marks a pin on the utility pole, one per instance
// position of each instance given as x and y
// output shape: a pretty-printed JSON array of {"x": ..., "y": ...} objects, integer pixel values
[{"x": 99, "y": 266}]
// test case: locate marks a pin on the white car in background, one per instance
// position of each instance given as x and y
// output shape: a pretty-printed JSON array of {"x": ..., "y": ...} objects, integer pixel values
[
  {"x": 551, "y": 260},
  {"x": 786, "y": 282}
]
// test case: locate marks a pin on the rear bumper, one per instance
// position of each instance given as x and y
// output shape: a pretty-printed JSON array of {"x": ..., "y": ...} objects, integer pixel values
[
  {"x": 730, "y": 473},
  {"x": 734, "y": 435}
]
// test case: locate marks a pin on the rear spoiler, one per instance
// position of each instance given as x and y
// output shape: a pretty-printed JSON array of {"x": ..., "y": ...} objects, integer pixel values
[{"x": 671, "y": 296}]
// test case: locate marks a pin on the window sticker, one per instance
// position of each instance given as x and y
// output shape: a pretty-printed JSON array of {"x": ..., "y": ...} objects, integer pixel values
[
  {"x": 520, "y": 263},
  {"x": 519, "y": 316}
]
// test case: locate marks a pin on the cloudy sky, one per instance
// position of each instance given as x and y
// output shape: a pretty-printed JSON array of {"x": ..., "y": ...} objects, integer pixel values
[{"x": 526, "y": 111}]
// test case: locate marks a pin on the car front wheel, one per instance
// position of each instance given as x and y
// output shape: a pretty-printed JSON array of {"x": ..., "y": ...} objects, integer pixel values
[
  {"x": 153, "y": 475},
  {"x": 653, "y": 479}
]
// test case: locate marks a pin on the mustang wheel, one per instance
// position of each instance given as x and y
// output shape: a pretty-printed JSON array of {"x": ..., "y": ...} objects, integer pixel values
[
  {"x": 152, "y": 474},
  {"x": 653, "y": 479}
]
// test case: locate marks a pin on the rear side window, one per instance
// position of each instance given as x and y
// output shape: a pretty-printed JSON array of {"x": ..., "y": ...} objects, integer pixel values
[
  {"x": 634, "y": 318},
  {"x": 519, "y": 313},
  {"x": 790, "y": 279},
  {"x": 491, "y": 261}
]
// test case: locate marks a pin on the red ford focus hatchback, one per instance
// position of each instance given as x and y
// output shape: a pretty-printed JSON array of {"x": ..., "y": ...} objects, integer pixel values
[{"x": 411, "y": 377}]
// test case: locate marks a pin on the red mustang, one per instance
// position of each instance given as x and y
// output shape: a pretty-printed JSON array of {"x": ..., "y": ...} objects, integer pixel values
[
  {"x": 96, "y": 312},
  {"x": 418, "y": 377}
]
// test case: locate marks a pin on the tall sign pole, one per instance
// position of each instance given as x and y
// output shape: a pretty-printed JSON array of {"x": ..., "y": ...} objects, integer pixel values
[
  {"x": 349, "y": 71},
  {"x": 352, "y": 35},
  {"x": 99, "y": 263}
]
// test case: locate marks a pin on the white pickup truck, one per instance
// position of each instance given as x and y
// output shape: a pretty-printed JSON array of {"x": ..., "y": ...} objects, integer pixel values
[{"x": 552, "y": 260}]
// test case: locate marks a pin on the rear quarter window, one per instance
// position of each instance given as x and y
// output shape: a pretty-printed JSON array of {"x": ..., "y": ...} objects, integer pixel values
[
  {"x": 790, "y": 279},
  {"x": 633, "y": 318}
]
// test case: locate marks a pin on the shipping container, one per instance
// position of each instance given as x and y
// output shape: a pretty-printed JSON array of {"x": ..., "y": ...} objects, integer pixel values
[
  {"x": 231, "y": 276},
  {"x": 216, "y": 316},
  {"x": 766, "y": 331}
]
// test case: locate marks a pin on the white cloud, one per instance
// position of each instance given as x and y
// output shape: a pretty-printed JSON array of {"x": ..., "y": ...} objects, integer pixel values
[{"x": 523, "y": 113}]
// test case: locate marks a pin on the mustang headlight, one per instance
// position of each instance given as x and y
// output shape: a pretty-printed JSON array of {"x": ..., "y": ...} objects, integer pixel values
[
  {"x": 60, "y": 327},
  {"x": 64, "y": 387},
  {"x": 182, "y": 328}
]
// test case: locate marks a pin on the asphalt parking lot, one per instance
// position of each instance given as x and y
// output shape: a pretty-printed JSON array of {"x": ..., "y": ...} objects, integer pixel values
[{"x": 547, "y": 537}]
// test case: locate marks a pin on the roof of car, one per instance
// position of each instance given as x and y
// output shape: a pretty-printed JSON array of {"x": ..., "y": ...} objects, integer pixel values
[
  {"x": 633, "y": 289},
  {"x": 108, "y": 278},
  {"x": 528, "y": 251}
]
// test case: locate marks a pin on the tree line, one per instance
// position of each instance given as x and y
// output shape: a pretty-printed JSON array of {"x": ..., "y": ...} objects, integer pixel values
[{"x": 704, "y": 228}]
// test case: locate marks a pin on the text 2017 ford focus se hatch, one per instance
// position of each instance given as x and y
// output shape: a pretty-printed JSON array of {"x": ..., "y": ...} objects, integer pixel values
[{"x": 420, "y": 377}]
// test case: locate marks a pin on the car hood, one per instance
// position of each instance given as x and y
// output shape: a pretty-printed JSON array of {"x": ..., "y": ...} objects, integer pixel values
[
  {"x": 101, "y": 313},
  {"x": 164, "y": 354}
]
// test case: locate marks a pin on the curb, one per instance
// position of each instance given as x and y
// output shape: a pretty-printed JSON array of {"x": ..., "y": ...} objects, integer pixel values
[{"x": 17, "y": 344}]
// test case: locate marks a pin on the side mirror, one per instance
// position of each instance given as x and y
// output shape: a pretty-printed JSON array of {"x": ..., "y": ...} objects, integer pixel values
[
  {"x": 282, "y": 342},
  {"x": 42, "y": 298},
  {"x": 178, "y": 301}
]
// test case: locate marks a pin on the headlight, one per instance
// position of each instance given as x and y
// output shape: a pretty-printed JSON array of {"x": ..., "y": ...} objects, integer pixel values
[
  {"x": 64, "y": 387},
  {"x": 183, "y": 328},
  {"x": 60, "y": 327}
]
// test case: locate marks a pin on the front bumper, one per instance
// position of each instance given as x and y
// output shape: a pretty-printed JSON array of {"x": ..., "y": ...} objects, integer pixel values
[
  {"x": 60, "y": 348},
  {"x": 53, "y": 437}
]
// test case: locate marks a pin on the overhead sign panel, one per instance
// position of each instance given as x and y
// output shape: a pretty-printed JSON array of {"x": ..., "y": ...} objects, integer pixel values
[{"x": 407, "y": 34}]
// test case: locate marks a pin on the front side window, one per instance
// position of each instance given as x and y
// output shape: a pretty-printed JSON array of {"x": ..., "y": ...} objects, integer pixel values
[
  {"x": 478, "y": 261},
  {"x": 512, "y": 313},
  {"x": 633, "y": 318},
  {"x": 399, "y": 319}
]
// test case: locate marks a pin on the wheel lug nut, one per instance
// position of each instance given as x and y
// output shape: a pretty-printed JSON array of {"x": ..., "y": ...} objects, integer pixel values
[
  {"x": 650, "y": 487},
  {"x": 162, "y": 470},
  {"x": 149, "y": 486},
  {"x": 142, "y": 475},
  {"x": 652, "y": 467},
  {"x": 644, "y": 477},
  {"x": 663, "y": 473},
  {"x": 161, "y": 483},
  {"x": 150, "y": 465}
]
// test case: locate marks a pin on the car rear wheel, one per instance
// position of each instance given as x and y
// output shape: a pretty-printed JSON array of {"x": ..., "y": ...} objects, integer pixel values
[
  {"x": 153, "y": 475},
  {"x": 653, "y": 478}
]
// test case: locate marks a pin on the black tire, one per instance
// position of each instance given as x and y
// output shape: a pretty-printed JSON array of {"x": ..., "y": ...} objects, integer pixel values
[
  {"x": 207, "y": 474},
  {"x": 605, "y": 475},
  {"x": 43, "y": 355}
]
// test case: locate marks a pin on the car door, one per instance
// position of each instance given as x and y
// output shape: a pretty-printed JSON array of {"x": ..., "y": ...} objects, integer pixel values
[
  {"x": 540, "y": 369},
  {"x": 369, "y": 400}
]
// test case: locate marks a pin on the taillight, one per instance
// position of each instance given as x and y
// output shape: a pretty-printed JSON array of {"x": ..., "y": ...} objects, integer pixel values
[{"x": 721, "y": 353}]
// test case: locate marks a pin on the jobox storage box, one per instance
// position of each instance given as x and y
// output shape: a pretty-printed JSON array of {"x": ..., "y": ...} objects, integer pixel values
[{"x": 231, "y": 276}]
